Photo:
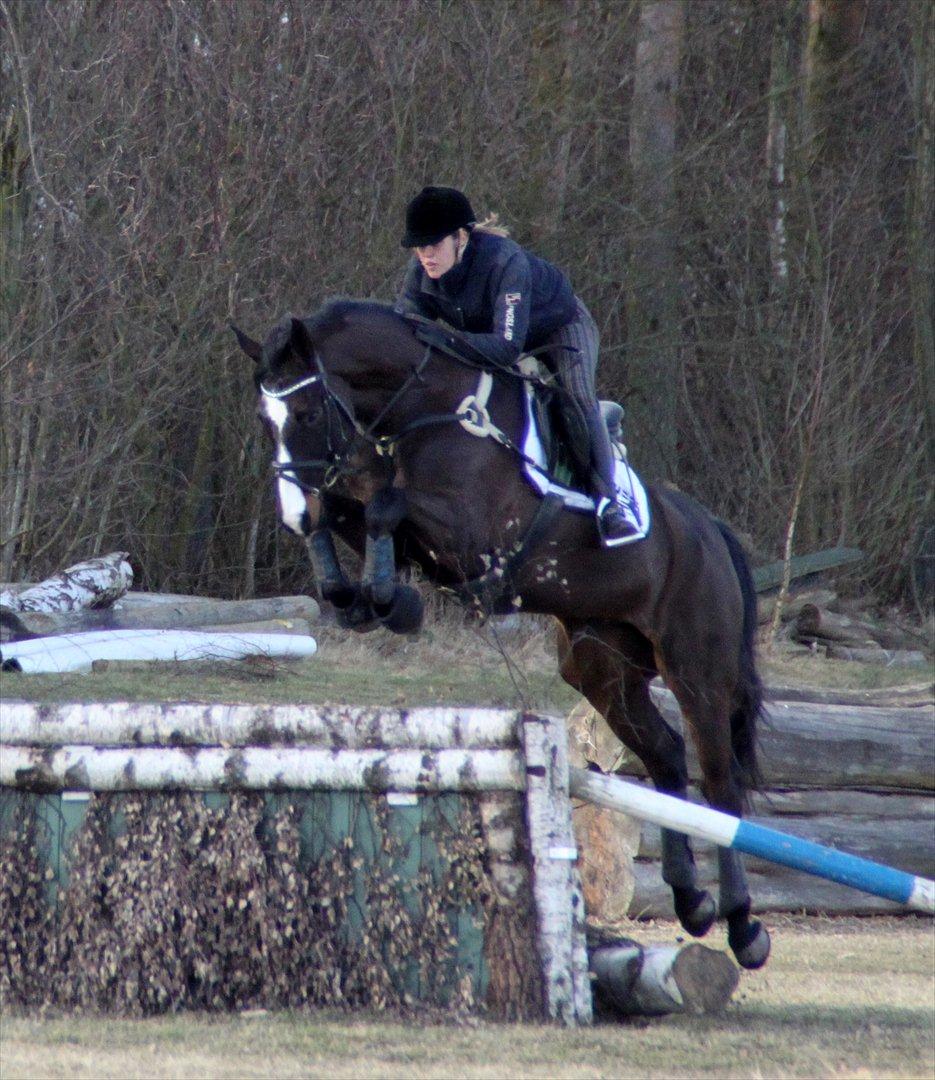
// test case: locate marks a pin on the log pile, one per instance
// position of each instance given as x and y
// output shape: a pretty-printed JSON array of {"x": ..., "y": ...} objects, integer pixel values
[
  {"x": 85, "y": 614},
  {"x": 819, "y": 621},
  {"x": 845, "y": 637}
]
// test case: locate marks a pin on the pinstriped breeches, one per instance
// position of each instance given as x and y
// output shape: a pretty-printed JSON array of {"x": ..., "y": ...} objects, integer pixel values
[{"x": 576, "y": 364}]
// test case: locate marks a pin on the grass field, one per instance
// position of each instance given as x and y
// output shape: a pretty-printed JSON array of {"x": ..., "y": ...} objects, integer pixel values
[
  {"x": 452, "y": 661},
  {"x": 839, "y": 998}
]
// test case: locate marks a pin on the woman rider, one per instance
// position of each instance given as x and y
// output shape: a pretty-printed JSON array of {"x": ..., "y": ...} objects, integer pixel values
[{"x": 505, "y": 299}]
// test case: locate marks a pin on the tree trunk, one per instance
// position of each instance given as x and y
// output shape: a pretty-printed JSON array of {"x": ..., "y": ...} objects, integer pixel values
[
  {"x": 777, "y": 133},
  {"x": 653, "y": 315},
  {"x": 834, "y": 30},
  {"x": 556, "y": 32},
  {"x": 653, "y": 980},
  {"x": 920, "y": 224}
]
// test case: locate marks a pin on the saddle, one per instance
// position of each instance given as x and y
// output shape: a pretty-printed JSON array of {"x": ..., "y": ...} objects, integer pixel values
[
  {"x": 555, "y": 445},
  {"x": 562, "y": 429}
]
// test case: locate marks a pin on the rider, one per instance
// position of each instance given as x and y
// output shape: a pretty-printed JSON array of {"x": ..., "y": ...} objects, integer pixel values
[{"x": 505, "y": 300}]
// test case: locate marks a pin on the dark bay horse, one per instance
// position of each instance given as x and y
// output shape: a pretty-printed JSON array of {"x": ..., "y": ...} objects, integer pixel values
[{"x": 356, "y": 378}]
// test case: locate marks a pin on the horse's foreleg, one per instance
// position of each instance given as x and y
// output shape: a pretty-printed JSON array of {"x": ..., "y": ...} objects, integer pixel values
[
  {"x": 333, "y": 586},
  {"x": 383, "y": 513},
  {"x": 399, "y": 607}
]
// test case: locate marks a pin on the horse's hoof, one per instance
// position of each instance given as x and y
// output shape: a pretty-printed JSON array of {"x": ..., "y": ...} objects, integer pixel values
[
  {"x": 341, "y": 597},
  {"x": 381, "y": 593},
  {"x": 751, "y": 946},
  {"x": 405, "y": 612},
  {"x": 356, "y": 614},
  {"x": 696, "y": 910}
]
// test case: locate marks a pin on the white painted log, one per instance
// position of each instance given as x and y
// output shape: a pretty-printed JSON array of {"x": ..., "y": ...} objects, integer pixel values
[
  {"x": 121, "y": 723},
  {"x": 556, "y": 883},
  {"x": 92, "y": 583},
  {"x": 77, "y": 652},
  {"x": 654, "y": 980},
  {"x": 877, "y": 655},
  {"x": 88, "y": 768}
]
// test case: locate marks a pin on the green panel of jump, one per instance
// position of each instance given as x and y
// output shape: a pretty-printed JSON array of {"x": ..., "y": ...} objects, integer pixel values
[{"x": 406, "y": 844}]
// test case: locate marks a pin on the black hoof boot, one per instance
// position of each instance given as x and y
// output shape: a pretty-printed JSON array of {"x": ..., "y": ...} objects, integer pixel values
[
  {"x": 404, "y": 614},
  {"x": 355, "y": 613},
  {"x": 748, "y": 938},
  {"x": 696, "y": 910}
]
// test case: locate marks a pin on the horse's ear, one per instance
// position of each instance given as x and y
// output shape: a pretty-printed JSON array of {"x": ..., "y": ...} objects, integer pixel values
[
  {"x": 252, "y": 348},
  {"x": 300, "y": 339}
]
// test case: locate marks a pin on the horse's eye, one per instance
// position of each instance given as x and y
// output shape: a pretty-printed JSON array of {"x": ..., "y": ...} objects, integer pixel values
[{"x": 303, "y": 418}]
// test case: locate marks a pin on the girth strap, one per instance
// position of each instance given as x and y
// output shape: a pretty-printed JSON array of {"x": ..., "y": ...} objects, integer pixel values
[{"x": 497, "y": 585}]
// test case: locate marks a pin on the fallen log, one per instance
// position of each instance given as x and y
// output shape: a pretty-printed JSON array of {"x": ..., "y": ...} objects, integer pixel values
[
  {"x": 771, "y": 575},
  {"x": 816, "y": 623},
  {"x": 916, "y": 694},
  {"x": 778, "y": 890},
  {"x": 831, "y": 746},
  {"x": 766, "y": 605},
  {"x": 178, "y": 615},
  {"x": 906, "y": 843},
  {"x": 265, "y": 626},
  {"x": 93, "y": 583},
  {"x": 653, "y": 980}
]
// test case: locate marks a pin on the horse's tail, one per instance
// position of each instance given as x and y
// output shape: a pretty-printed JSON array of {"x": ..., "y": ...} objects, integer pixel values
[{"x": 743, "y": 721}]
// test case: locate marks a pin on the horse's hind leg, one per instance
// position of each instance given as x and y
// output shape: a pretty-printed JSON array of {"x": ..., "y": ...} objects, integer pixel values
[
  {"x": 706, "y": 709},
  {"x": 612, "y": 667}
]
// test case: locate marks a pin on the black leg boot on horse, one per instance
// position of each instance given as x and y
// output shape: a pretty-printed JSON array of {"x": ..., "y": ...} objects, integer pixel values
[
  {"x": 399, "y": 607},
  {"x": 353, "y": 610}
]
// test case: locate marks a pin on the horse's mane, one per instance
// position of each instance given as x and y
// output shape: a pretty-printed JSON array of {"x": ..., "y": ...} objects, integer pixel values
[{"x": 336, "y": 314}]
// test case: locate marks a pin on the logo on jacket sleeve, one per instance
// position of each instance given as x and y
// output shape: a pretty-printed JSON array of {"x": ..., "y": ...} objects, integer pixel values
[{"x": 512, "y": 299}]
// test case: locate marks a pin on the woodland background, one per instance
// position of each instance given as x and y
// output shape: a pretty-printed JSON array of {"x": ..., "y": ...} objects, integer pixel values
[{"x": 741, "y": 191}]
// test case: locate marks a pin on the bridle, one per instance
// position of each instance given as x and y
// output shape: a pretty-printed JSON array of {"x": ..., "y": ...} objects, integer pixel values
[
  {"x": 335, "y": 463},
  {"x": 471, "y": 414}
]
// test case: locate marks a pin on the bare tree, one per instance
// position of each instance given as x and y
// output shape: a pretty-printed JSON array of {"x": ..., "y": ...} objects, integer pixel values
[{"x": 655, "y": 336}]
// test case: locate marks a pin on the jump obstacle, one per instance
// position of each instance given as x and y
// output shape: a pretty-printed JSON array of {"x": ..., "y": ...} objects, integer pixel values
[{"x": 400, "y": 753}]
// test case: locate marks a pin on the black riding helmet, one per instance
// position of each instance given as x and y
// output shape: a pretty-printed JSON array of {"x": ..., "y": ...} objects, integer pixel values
[{"x": 434, "y": 213}]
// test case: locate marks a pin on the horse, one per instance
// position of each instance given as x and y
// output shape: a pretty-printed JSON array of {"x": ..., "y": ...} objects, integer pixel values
[{"x": 360, "y": 382}]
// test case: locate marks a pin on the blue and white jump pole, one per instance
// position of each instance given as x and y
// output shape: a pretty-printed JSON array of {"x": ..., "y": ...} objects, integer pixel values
[{"x": 724, "y": 830}]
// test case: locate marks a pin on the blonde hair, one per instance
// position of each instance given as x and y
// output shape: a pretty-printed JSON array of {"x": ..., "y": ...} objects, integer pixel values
[{"x": 491, "y": 224}]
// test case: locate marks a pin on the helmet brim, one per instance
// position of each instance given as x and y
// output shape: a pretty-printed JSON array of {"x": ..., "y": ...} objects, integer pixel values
[{"x": 413, "y": 240}]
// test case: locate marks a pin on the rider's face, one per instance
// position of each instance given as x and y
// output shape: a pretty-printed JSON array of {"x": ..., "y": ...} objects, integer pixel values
[{"x": 438, "y": 259}]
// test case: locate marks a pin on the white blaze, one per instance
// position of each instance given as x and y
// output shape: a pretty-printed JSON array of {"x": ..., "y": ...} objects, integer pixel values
[{"x": 291, "y": 498}]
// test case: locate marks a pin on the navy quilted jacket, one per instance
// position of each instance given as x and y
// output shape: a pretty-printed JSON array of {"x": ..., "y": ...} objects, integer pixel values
[{"x": 502, "y": 297}]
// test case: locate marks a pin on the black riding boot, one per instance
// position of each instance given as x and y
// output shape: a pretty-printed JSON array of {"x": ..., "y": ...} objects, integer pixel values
[{"x": 613, "y": 523}]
